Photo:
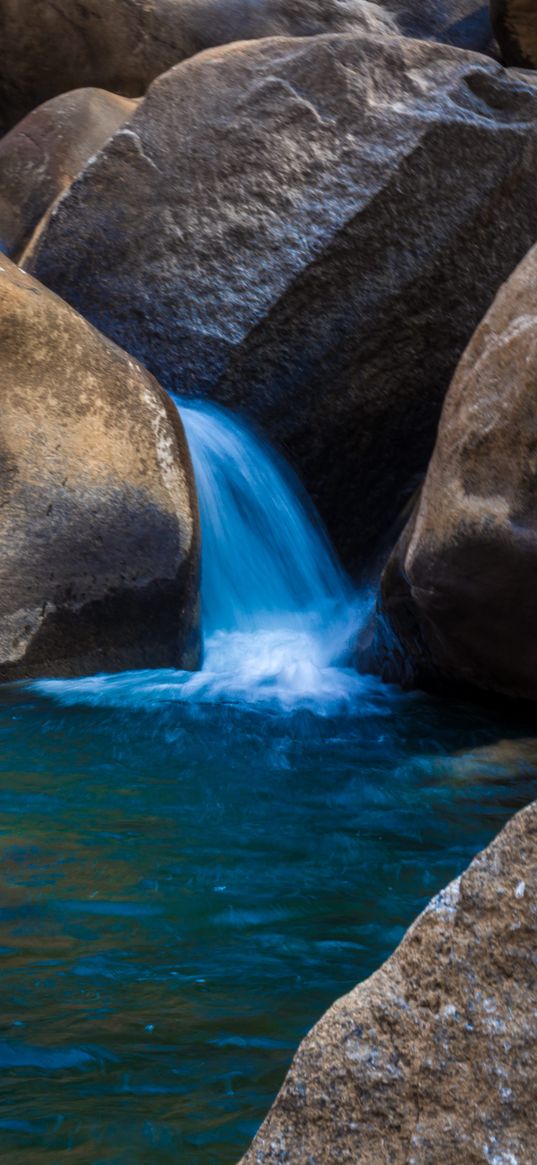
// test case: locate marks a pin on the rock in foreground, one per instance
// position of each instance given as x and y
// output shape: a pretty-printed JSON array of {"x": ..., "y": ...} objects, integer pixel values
[
  {"x": 433, "y": 1060},
  {"x": 310, "y": 252},
  {"x": 459, "y": 595},
  {"x": 43, "y": 154},
  {"x": 98, "y": 518}
]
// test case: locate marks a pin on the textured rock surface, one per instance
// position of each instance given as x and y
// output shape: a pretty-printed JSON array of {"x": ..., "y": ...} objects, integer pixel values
[
  {"x": 459, "y": 594},
  {"x": 45, "y": 151},
  {"x": 48, "y": 48},
  {"x": 433, "y": 1060},
  {"x": 515, "y": 25},
  {"x": 310, "y": 252},
  {"x": 98, "y": 519}
]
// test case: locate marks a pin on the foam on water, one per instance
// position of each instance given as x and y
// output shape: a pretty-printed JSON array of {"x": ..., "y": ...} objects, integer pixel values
[{"x": 279, "y": 615}]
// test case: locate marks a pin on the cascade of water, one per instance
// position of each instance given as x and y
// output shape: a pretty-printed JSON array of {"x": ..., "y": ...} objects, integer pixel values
[
  {"x": 279, "y": 614},
  {"x": 278, "y": 610},
  {"x": 266, "y": 559}
]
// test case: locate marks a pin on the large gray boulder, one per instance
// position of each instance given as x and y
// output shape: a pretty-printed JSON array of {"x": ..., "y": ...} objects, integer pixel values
[
  {"x": 49, "y": 48},
  {"x": 43, "y": 153},
  {"x": 433, "y": 1060},
  {"x": 458, "y": 598},
  {"x": 309, "y": 231},
  {"x": 98, "y": 516}
]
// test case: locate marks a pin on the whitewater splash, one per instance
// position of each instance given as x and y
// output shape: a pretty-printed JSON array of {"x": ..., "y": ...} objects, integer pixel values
[{"x": 279, "y": 615}]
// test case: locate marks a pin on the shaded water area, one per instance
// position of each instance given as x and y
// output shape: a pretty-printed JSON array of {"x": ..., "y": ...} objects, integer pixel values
[{"x": 194, "y": 867}]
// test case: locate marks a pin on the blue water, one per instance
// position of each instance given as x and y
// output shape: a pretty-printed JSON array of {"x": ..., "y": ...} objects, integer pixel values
[{"x": 192, "y": 867}]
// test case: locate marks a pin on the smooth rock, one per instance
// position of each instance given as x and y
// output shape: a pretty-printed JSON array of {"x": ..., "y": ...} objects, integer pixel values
[
  {"x": 42, "y": 155},
  {"x": 98, "y": 515},
  {"x": 458, "y": 600},
  {"x": 49, "y": 48},
  {"x": 433, "y": 1060},
  {"x": 515, "y": 26},
  {"x": 325, "y": 222}
]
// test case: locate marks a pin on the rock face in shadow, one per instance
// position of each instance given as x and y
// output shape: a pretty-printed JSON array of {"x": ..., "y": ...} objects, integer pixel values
[
  {"x": 515, "y": 26},
  {"x": 433, "y": 1060},
  {"x": 98, "y": 515},
  {"x": 49, "y": 48},
  {"x": 458, "y": 599},
  {"x": 310, "y": 253},
  {"x": 43, "y": 154},
  {"x": 465, "y": 23}
]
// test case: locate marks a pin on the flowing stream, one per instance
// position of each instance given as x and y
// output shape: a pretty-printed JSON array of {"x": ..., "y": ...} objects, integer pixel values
[{"x": 193, "y": 866}]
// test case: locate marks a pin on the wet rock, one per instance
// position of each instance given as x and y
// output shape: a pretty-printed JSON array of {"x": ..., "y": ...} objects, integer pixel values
[
  {"x": 43, "y": 154},
  {"x": 515, "y": 26},
  {"x": 459, "y": 596},
  {"x": 433, "y": 1060},
  {"x": 310, "y": 252},
  {"x": 47, "y": 49},
  {"x": 98, "y": 516}
]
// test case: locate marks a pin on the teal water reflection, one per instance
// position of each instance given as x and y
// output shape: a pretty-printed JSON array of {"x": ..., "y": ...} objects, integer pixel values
[{"x": 185, "y": 888}]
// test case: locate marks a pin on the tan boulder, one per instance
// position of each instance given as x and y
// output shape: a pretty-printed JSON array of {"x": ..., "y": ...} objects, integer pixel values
[
  {"x": 98, "y": 516},
  {"x": 433, "y": 1060},
  {"x": 42, "y": 155},
  {"x": 458, "y": 601}
]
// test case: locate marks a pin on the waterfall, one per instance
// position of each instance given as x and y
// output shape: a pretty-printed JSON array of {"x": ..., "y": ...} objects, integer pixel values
[
  {"x": 266, "y": 559},
  {"x": 279, "y": 615},
  {"x": 278, "y": 612}
]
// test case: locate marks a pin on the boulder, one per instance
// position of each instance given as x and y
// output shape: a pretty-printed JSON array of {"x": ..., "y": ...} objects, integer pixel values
[
  {"x": 47, "y": 49},
  {"x": 42, "y": 155},
  {"x": 98, "y": 515},
  {"x": 310, "y": 252},
  {"x": 433, "y": 1060},
  {"x": 458, "y": 600},
  {"x": 515, "y": 26}
]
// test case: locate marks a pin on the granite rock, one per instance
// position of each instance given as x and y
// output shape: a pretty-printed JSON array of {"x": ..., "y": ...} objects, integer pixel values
[{"x": 432, "y": 1060}]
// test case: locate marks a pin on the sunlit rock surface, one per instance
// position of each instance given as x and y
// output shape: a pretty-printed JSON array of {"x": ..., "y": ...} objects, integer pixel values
[
  {"x": 433, "y": 1060},
  {"x": 48, "y": 48},
  {"x": 310, "y": 230},
  {"x": 515, "y": 25},
  {"x": 458, "y": 597},
  {"x": 98, "y": 518},
  {"x": 40, "y": 157}
]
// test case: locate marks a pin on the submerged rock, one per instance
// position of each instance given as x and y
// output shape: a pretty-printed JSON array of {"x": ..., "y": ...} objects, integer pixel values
[
  {"x": 98, "y": 517},
  {"x": 324, "y": 225},
  {"x": 43, "y": 154},
  {"x": 433, "y": 1060},
  {"x": 515, "y": 26},
  {"x": 459, "y": 594},
  {"x": 47, "y": 49}
]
